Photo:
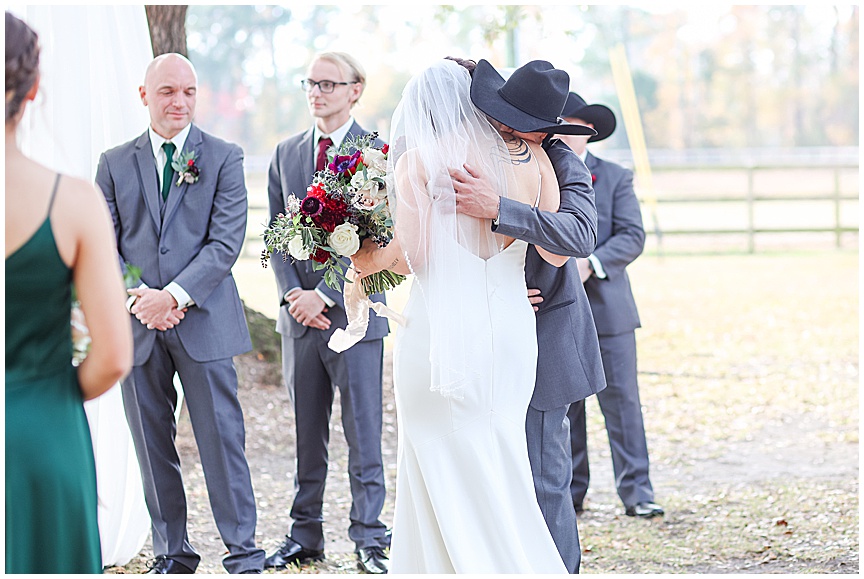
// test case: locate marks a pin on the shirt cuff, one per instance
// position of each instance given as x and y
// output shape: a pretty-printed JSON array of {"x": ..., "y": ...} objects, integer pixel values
[
  {"x": 497, "y": 219},
  {"x": 183, "y": 299},
  {"x": 130, "y": 301},
  {"x": 597, "y": 266},
  {"x": 330, "y": 303}
]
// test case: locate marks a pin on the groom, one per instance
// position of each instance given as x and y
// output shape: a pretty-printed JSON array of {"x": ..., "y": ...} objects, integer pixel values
[
  {"x": 185, "y": 232},
  {"x": 569, "y": 368}
]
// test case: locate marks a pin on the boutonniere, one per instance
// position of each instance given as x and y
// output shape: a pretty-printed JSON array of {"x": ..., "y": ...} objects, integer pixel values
[
  {"x": 593, "y": 178},
  {"x": 186, "y": 168}
]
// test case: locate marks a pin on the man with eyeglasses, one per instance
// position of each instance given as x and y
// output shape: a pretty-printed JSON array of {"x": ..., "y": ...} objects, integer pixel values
[{"x": 309, "y": 313}]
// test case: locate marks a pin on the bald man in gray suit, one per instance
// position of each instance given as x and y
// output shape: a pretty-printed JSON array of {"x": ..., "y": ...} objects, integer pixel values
[{"x": 185, "y": 232}]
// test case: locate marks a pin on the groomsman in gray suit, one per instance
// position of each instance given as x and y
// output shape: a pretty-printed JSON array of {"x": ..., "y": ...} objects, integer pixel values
[
  {"x": 620, "y": 240},
  {"x": 309, "y": 313},
  {"x": 184, "y": 230},
  {"x": 529, "y": 104}
]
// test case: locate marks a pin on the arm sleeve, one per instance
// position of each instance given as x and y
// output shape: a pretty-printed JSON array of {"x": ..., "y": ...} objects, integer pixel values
[
  {"x": 572, "y": 230},
  {"x": 627, "y": 240}
]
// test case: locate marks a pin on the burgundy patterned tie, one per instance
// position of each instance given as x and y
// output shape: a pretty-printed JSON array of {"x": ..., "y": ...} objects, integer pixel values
[{"x": 321, "y": 160}]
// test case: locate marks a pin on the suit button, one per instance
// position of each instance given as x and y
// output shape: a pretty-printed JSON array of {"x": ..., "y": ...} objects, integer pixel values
[{"x": 163, "y": 250}]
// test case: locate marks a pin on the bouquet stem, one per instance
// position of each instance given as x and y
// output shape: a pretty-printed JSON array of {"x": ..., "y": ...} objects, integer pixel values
[{"x": 381, "y": 281}]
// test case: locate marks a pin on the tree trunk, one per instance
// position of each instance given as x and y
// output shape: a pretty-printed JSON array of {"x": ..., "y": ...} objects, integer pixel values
[{"x": 167, "y": 28}]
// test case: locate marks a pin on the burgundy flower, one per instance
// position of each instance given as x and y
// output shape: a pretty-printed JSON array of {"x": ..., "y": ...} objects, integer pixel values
[
  {"x": 311, "y": 206},
  {"x": 321, "y": 255},
  {"x": 593, "y": 178}
]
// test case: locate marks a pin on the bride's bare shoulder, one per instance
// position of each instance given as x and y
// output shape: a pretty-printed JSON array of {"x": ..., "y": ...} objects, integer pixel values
[{"x": 411, "y": 164}]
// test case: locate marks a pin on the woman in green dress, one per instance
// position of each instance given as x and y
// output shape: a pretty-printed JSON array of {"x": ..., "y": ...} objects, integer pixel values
[{"x": 58, "y": 233}]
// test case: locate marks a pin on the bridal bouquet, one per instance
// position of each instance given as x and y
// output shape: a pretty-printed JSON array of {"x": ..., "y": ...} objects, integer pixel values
[
  {"x": 80, "y": 331},
  {"x": 346, "y": 202}
]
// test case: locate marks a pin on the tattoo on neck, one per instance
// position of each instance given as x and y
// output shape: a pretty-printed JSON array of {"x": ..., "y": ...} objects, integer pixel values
[
  {"x": 392, "y": 265},
  {"x": 519, "y": 151}
]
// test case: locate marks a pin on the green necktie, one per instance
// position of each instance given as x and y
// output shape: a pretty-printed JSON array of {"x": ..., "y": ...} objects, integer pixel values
[{"x": 168, "y": 171}]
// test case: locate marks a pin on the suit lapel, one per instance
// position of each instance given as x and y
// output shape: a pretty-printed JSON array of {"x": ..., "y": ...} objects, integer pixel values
[
  {"x": 175, "y": 196},
  {"x": 148, "y": 179},
  {"x": 592, "y": 164},
  {"x": 306, "y": 154}
]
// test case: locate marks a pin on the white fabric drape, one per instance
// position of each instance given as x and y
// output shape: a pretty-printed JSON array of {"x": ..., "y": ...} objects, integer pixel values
[{"x": 92, "y": 61}]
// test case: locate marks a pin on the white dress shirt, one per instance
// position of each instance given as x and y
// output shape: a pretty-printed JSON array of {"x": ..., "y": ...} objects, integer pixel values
[
  {"x": 336, "y": 136},
  {"x": 159, "y": 156}
]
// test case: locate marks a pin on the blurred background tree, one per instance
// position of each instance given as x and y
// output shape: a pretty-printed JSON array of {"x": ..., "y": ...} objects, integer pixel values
[
  {"x": 733, "y": 76},
  {"x": 167, "y": 25}
]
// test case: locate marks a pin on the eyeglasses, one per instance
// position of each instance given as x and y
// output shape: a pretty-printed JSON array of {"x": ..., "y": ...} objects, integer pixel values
[{"x": 325, "y": 86}]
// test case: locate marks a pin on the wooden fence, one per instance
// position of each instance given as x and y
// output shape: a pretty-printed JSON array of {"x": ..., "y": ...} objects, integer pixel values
[
  {"x": 840, "y": 190},
  {"x": 688, "y": 201}
]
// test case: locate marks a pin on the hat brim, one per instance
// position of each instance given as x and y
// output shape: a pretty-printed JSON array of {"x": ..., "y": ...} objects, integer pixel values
[
  {"x": 600, "y": 116},
  {"x": 485, "y": 83}
]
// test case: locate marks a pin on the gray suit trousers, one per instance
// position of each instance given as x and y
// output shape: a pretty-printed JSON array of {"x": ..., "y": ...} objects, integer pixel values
[
  {"x": 622, "y": 411},
  {"x": 357, "y": 372},
  {"x": 210, "y": 391},
  {"x": 549, "y": 453}
]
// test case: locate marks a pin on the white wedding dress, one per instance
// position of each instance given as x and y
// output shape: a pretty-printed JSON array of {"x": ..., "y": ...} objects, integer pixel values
[{"x": 465, "y": 500}]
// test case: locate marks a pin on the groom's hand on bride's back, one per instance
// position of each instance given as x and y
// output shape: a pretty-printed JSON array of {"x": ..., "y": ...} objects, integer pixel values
[
  {"x": 474, "y": 194},
  {"x": 534, "y": 298}
]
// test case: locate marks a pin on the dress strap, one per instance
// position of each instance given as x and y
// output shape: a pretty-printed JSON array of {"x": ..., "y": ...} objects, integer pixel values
[
  {"x": 540, "y": 182},
  {"x": 53, "y": 193}
]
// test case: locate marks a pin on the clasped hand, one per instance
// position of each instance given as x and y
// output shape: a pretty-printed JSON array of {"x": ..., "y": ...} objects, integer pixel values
[
  {"x": 156, "y": 309},
  {"x": 308, "y": 308}
]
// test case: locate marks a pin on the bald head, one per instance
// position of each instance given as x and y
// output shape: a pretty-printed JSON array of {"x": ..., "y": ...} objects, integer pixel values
[{"x": 169, "y": 92}]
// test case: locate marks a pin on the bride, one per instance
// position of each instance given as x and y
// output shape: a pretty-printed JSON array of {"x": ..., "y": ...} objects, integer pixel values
[{"x": 465, "y": 361}]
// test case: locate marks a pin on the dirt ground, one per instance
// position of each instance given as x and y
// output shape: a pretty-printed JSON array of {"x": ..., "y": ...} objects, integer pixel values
[{"x": 749, "y": 382}]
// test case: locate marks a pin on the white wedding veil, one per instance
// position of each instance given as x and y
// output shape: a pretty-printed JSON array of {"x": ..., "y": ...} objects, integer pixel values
[{"x": 435, "y": 128}]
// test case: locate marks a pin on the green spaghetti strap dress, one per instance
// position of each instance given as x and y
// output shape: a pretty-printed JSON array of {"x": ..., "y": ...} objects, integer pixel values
[{"x": 51, "y": 509}]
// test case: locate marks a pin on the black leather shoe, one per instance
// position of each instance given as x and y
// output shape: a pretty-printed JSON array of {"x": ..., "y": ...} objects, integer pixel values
[
  {"x": 372, "y": 560},
  {"x": 163, "y": 564},
  {"x": 579, "y": 508},
  {"x": 644, "y": 510},
  {"x": 291, "y": 552},
  {"x": 251, "y": 572}
]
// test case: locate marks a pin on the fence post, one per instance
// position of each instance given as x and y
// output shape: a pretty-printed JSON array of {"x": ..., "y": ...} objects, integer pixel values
[
  {"x": 751, "y": 247},
  {"x": 837, "y": 229}
]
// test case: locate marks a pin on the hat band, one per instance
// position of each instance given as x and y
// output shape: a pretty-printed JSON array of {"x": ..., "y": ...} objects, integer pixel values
[{"x": 503, "y": 95}]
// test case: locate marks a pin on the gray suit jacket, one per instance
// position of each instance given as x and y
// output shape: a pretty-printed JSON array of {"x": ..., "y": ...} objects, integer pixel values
[
  {"x": 194, "y": 244},
  {"x": 291, "y": 170},
  {"x": 620, "y": 240},
  {"x": 569, "y": 367}
]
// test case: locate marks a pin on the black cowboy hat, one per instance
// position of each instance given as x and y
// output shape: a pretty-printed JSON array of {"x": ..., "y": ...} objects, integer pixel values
[
  {"x": 600, "y": 116},
  {"x": 529, "y": 101}
]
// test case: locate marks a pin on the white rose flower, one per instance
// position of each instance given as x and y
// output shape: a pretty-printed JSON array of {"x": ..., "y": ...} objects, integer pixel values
[
  {"x": 344, "y": 239},
  {"x": 374, "y": 159},
  {"x": 357, "y": 181},
  {"x": 296, "y": 249}
]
